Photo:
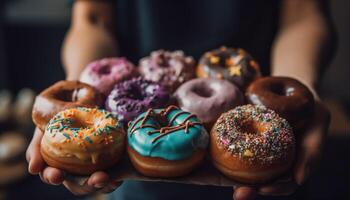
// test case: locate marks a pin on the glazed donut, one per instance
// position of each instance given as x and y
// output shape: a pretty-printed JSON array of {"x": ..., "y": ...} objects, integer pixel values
[
  {"x": 130, "y": 98},
  {"x": 208, "y": 98},
  {"x": 105, "y": 73},
  {"x": 60, "y": 96},
  {"x": 252, "y": 144},
  {"x": 166, "y": 142},
  {"x": 170, "y": 69},
  {"x": 83, "y": 140},
  {"x": 234, "y": 65},
  {"x": 288, "y": 97}
]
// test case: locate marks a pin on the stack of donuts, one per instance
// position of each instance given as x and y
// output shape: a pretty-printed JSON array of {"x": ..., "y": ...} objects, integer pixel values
[{"x": 169, "y": 113}]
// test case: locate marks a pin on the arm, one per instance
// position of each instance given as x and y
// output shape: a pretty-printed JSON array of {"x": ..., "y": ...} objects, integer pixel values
[
  {"x": 301, "y": 46},
  {"x": 90, "y": 36}
]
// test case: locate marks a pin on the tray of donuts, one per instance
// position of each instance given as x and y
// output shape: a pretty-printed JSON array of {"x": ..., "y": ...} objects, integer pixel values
[{"x": 217, "y": 122}]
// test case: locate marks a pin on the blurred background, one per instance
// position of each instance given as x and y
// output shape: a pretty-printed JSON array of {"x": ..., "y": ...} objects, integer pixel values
[{"x": 31, "y": 34}]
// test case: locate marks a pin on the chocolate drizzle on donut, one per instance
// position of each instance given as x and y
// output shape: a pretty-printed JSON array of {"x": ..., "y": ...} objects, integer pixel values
[{"x": 160, "y": 117}]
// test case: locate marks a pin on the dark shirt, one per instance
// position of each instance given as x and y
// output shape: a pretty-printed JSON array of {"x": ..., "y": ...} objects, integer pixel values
[{"x": 196, "y": 26}]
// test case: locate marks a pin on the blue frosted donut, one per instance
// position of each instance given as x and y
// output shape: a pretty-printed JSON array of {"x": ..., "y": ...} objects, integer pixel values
[
  {"x": 170, "y": 134},
  {"x": 130, "y": 98}
]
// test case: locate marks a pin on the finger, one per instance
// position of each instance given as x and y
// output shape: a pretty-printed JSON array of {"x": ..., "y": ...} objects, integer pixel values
[
  {"x": 278, "y": 189},
  {"x": 98, "y": 179},
  {"x": 35, "y": 161},
  {"x": 244, "y": 193},
  {"x": 53, "y": 176},
  {"x": 42, "y": 178},
  {"x": 78, "y": 190}
]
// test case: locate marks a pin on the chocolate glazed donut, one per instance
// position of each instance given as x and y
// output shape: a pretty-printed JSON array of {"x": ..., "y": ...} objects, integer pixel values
[
  {"x": 290, "y": 98},
  {"x": 63, "y": 95},
  {"x": 234, "y": 65}
]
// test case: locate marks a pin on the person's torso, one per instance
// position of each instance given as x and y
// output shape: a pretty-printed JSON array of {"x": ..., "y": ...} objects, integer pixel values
[{"x": 196, "y": 26}]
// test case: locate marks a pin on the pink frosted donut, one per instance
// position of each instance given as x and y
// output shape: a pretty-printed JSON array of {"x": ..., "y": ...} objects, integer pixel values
[
  {"x": 208, "y": 98},
  {"x": 170, "y": 69},
  {"x": 105, "y": 73}
]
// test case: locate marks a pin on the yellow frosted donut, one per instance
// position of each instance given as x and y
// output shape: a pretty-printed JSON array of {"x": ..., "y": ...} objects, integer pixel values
[{"x": 83, "y": 140}]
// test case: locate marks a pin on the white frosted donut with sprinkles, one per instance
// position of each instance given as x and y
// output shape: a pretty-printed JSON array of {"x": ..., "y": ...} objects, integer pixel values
[
  {"x": 83, "y": 140},
  {"x": 252, "y": 144}
]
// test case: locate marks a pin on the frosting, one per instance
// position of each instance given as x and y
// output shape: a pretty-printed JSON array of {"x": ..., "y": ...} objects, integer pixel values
[
  {"x": 254, "y": 133},
  {"x": 170, "y": 133},
  {"x": 234, "y": 65},
  {"x": 60, "y": 96},
  {"x": 130, "y": 98},
  {"x": 208, "y": 98},
  {"x": 288, "y": 97},
  {"x": 84, "y": 133},
  {"x": 170, "y": 69},
  {"x": 105, "y": 73}
]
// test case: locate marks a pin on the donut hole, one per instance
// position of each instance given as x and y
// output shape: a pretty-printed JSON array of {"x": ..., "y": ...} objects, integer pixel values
[
  {"x": 80, "y": 123},
  {"x": 162, "y": 121},
  {"x": 205, "y": 92},
  {"x": 163, "y": 61},
  {"x": 105, "y": 70},
  {"x": 135, "y": 93},
  {"x": 68, "y": 95},
  {"x": 279, "y": 90},
  {"x": 253, "y": 127}
]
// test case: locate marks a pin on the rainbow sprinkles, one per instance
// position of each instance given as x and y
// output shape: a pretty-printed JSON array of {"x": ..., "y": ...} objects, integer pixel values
[{"x": 85, "y": 126}]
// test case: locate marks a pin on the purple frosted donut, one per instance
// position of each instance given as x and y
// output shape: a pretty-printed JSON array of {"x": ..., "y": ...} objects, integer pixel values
[
  {"x": 105, "y": 73},
  {"x": 208, "y": 98},
  {"x": 130, "y": 98},
  {"x": 170, "y": 69}
]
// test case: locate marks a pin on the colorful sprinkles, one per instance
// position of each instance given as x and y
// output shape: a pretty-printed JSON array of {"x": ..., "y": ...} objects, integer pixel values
[
  {"x": 266, "y": 145},
  {"x": 101, "y": 125}
]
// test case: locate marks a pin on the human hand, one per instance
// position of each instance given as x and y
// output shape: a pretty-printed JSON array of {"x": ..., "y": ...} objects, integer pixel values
[
  {"x": 308, "y": 151},
  {"x": 97, "y": 182}
]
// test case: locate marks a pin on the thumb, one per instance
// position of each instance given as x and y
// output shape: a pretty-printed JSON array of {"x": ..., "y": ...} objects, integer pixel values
[
  {"x": 244, "y": 193},
  {"x": 33, "y": 155}
]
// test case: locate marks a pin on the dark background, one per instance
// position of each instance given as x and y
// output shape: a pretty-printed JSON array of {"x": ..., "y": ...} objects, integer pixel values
[{"x": 31, "y": 34}]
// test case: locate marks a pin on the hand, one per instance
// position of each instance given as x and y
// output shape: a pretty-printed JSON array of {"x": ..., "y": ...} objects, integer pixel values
[
  {"x": 97, "y": 182},
  {"x": 308, "y": 153}
]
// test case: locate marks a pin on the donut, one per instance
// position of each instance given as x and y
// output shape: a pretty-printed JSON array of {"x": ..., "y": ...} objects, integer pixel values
[
  {"x": 234, "y": 65},
  {"x": 130, "y": 98},
  {"x": 83, "y": 140},
  {"x": 252, "y": 144},
  {"x": 170, "y": 69},
  {"x": 290, "y": 98},
  {"x": 105, "y": 73},
  {"x": 12, "y": 146},
  {"x": 208, "y": 98},
  {"x": 60, "y": 96},
  {"x": 166, "y": 142}
]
